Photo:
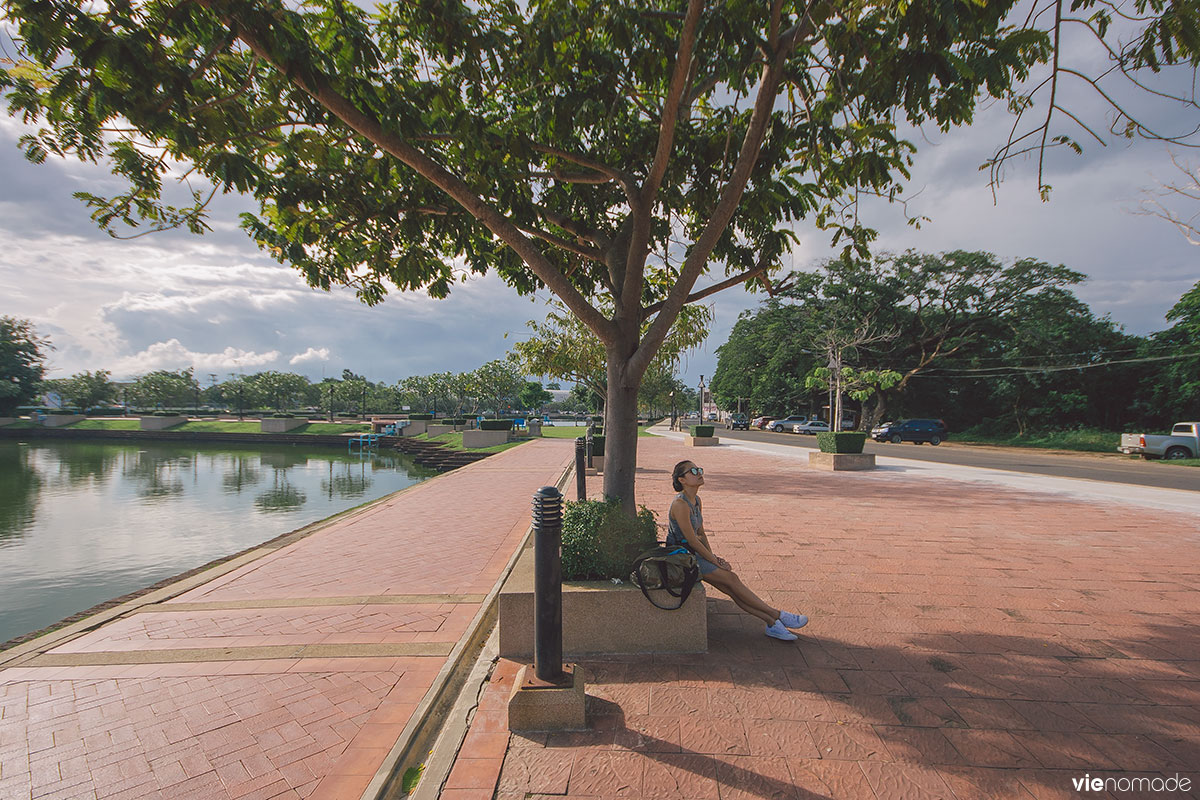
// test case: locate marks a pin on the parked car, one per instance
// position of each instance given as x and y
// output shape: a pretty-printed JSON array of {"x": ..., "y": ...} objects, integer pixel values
[
  {"x": 712, "y": 416},
  {"x": 736, "y": 420},
  {"x": 1182, "y": 442},
  {"x": 785, "y": 424},
  {"x": 813, "y": 426},
  {"x": 761, "y": 422},
  {"x": 911, "y": 430}
]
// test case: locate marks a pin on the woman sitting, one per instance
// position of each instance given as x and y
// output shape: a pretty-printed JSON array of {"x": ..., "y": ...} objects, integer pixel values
[{"x": 685, "y": 528}]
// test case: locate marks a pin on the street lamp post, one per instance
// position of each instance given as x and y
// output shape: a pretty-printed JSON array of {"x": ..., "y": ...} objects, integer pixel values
[{"x": 701, "y": 398}]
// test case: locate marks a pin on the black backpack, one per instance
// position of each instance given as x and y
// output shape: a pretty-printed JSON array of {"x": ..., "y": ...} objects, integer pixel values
[{"x": 673, "y": 569}]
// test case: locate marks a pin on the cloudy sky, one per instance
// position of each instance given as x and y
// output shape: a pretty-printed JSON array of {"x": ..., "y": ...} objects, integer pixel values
[{"x": 215, "y": 302}]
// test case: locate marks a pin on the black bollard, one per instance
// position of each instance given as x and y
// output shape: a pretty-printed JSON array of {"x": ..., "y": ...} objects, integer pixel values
[
  {"x": 580, "y": 462},
  {"x": 589, "y": 446},
  {"x": 547, "y": 585}
]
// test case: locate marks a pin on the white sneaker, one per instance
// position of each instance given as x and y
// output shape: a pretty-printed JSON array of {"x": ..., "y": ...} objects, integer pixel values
[
  {"x": 776, "y": 630},
  {"x": 791, "y": 620}
]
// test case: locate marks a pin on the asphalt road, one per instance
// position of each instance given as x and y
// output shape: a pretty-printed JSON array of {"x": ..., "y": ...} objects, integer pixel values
[{"x": 1097, "y": 467}]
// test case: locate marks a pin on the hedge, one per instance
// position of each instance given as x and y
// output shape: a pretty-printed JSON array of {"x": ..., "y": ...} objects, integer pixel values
[
  {"x": 841, "y": 441},
  {"x": 496, "y": 425},
  {"x": 703, "y": 430},
  {"x": 420, "y": 417}
]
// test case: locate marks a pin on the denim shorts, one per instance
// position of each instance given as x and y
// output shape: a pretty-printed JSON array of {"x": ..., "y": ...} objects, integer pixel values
[{"x": 706, "y": 566}]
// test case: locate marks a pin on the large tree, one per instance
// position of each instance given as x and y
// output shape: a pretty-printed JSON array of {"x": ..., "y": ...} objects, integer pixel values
[
  {"x": 22, "y": 363},
  {"x": 611, "y": 153}
]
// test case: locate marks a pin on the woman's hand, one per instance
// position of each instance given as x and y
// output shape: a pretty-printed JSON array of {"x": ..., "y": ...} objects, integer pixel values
[{"x": 722, "y": 563}]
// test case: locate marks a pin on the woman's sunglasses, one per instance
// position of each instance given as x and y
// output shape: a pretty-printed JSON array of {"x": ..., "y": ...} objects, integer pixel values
[{"x": 695, "y": 470}]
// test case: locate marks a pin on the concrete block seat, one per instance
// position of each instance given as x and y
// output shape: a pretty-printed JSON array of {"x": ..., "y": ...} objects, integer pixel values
[{"x": 600, "y": 617}]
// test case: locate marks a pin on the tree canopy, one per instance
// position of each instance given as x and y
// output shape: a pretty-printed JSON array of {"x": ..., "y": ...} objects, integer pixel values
[
  {"x": 1025, "y": 354},
  {"x": 608, "y": 152},
  {"x": 22, "y": 363}
]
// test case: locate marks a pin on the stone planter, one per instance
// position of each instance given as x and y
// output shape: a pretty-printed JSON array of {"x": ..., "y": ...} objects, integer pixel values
[
  {"x": 841, "y": 462},
  {"x": 160, "y": 423},
  {"x": 438, "y": 430},
  {"x": 476, "y": 439},
  {"x": 59, "y": 420},
  {"x": 701, "y": 441},
  {"x": 597, "y": 465},
  {"x": 281, "y": 424},
  {"x": 601, "y": 617},
  {"x": 7, "y": 421},
  {"x": 414, "y": 427}
]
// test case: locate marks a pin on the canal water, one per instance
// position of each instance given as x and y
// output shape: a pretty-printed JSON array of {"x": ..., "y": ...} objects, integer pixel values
[{"x": 84, "y": 522}]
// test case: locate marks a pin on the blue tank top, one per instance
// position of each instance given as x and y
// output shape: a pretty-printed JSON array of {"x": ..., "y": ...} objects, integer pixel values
[{"x": 675, "y": 537}]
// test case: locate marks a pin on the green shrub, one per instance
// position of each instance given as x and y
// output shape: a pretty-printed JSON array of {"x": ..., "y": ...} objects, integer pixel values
[
  {"x": 841, "y": 441},
  {"x": 62, "y": 412},
  {"x": 600, "y": 542},
  {"x": 283, "y": 416},
  {"x": 496, "y": 425},
  {"x": 419, "y": 417},
  {"x": 597, "y": 445},
  {"x": 166, "y": 413},
  {"x": 454, "y": 421},
  {"x": 703, "y": 430}
]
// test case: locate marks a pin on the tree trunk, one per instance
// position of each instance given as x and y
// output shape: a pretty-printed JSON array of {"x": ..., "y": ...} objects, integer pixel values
[{"x": 620, "y": 435}]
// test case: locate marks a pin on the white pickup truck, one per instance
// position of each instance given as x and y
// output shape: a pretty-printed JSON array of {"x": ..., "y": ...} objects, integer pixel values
[{"x": 1183, "y": 442}]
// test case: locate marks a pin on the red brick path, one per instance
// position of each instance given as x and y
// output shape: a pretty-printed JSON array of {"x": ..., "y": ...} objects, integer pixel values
[{"x": 966, "y": 641}]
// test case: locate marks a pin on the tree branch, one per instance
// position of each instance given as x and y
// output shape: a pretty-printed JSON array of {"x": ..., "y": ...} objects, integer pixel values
[
  {"x": 317, "y": 85},
  {"x": 745, "y": 277}
]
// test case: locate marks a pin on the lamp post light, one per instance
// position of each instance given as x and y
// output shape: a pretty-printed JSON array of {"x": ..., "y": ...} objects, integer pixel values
[{"x": 702, "y": 398}]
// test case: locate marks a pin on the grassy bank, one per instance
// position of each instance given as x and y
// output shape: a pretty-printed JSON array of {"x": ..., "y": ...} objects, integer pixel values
[
  {"x": 1086, "y": 440},
  {"x": 453, "y": 441}
]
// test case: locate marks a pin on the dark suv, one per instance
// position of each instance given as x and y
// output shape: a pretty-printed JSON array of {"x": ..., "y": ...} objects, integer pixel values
[
  {"x": 911, "y": 430},
  {"x": 735, "y": 421}
]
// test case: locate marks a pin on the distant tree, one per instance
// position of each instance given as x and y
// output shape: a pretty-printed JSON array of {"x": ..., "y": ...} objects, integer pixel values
[
  {"x": 238, "y": 394},
  {"x": 281, "y": 391},
  {"x": 1174, "y": 389},
  {"x": 22, "y": 363},
  {"x": 165, "y": 388},
  {"x": 562, "y": 347},
  {"x": 533, "y": 396},
  {"x": 496, "y": 384},
  {"x": 83, "y": 390}
]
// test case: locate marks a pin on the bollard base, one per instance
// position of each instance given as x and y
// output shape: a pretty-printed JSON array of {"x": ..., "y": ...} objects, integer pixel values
[{"x": 535, "y": 705}]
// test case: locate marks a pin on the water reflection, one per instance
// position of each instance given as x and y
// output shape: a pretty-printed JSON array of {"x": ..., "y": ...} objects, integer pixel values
[
  {"x": 86, "y": 462},
  {"x": 282, "y": 496},
  {"x": 242, "y": 472},
  {"x": 81, "y": 523},
  {"x": 19, "y": 484}
]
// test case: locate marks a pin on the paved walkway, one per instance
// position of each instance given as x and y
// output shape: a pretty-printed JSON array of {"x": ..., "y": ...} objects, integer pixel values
[
  {"x": 968, "y": 640},
  {"x": 291, "y": 675}
]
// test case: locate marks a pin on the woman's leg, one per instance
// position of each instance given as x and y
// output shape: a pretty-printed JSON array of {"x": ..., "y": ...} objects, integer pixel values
[{"x": 732, "y": 585}]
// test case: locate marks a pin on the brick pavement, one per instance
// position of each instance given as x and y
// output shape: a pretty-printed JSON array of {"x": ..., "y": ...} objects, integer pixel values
[
  {"x": 967, "y": 641},
  {"x": 290, "y": 676}
]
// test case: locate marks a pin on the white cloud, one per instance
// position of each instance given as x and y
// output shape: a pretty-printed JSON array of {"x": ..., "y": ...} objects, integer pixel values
[
  {"x": 311, "y": 354},
  {"x": 172, "y": 355}
]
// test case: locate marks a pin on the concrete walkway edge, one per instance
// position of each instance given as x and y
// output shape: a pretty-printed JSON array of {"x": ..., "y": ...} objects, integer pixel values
[{"x": 423, "y": 727}]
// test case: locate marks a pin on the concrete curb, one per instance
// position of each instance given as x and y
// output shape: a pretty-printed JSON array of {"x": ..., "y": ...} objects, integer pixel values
[{"x": 416, "y": 740}]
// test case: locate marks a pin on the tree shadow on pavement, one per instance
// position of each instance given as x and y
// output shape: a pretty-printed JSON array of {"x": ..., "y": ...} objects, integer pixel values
[{"x": 990, "y": 714}]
